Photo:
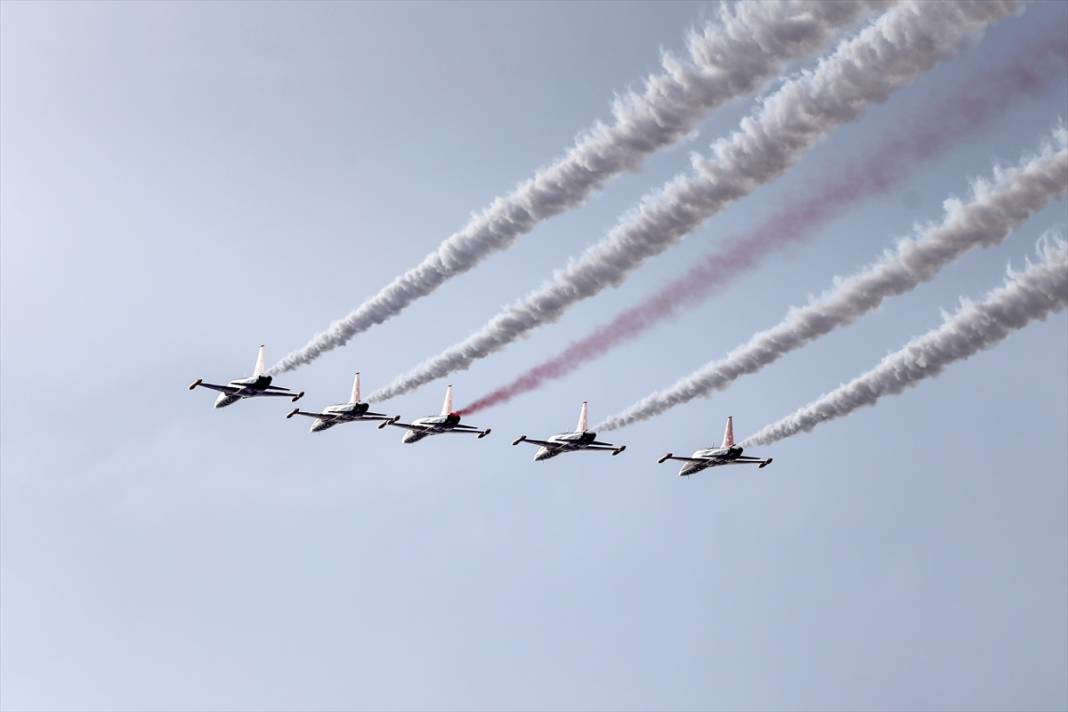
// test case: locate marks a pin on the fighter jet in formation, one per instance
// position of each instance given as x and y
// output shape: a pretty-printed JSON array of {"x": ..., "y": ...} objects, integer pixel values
[
  {"x": 726, "y": 454},
  {"x": 581, "y": 439},
  {"x": 255, "y": 386},
  {"x": 447, "y": 422},
  {"x": 349, "y": 412}
]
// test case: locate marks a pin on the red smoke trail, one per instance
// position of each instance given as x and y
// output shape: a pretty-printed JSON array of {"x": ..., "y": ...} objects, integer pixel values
[{"x": 880, "y": 171}]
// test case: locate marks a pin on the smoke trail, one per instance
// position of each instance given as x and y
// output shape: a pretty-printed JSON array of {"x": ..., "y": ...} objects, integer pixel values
[
  {"x": 876, "y": 172},
  {"x": 746, "y": 45},
  {"x": 995, "y": 210},
  {"x": 1028, "y": 296},
  {"x": 899, "y": 46}
]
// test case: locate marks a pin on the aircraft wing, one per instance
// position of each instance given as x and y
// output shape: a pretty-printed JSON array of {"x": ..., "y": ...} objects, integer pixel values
[
  {"x": 229, "y": 390},
  {"x": 686, "y": 459},
  {"x": 306, "y": 414},
  {"x": 288, "y": 394},
  {"x": 469, "y": 429},
  {"x": 409, "y": 426},
  {"x": 375, "y": 416},
  {"x": 540, "y": 443}
]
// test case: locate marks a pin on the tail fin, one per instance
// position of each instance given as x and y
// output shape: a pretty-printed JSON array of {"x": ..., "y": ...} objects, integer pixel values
[
  {"x": 355, "y": 389},
  {"x": 446, "y": 407},
  {"x": 728, "y": 433},
  {"x": 584, "y": 418},
  {"x": 260, "y": 368}
]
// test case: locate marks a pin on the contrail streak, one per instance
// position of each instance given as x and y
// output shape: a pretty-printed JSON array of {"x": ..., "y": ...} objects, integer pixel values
[
  {"x": 996, "y": 208},
  {"x": 746, "y": 45},
  {"x": 1027, "y": 296},
  {"x": 904, "y": 42},
  {"x": 880, "y": 170}
]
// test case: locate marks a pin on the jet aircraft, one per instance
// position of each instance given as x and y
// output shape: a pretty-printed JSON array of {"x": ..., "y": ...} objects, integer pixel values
[
  {"x": 726, "y": 454},
  {"x": 447, "y": 422},
  {"x": 256, "y": 385},
  {"x": 349, "y": 412},
  {"x": 581, "y": 439}
]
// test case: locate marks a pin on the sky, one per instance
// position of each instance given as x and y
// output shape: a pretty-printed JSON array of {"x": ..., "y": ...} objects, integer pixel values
[{"x": 182, "y": 182}]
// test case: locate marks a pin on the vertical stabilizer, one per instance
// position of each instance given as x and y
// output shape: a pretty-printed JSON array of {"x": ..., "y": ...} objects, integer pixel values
[
  {"x": 446, "y": 407},
  {"x": 728, "y": 433},
  {"x": 355, "y": 389},
  {"x": 260, "y": 367},
  {"x": 584, "y": 418}
]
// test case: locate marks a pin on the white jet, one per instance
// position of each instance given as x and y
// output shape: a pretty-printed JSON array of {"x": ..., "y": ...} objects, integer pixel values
[
  {"x": 582, "y": 439},
  {"x": 255, "y": 386},
  {"x": 447, "y": 422},
  {"x": 349, "y": 412},
  {"x": 726, "y": 454}
]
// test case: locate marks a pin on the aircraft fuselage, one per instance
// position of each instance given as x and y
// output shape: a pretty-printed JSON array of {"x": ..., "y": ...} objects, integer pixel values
[
  {"x": 565, "y": 442},
  {"x": 432, "y": 425},
  {"x": 339, "y": 413},
  {"x": 247, "y": 388},
  {"x": 712, "y": 456}
]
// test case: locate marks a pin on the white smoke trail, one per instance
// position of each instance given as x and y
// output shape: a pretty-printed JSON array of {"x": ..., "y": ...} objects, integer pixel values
[
  {"x": 1027, "y": 296},
  {"x": 996, "y": 208},
  {"x": 745, "y": 45},
  {"x": 904, "y": 42}
]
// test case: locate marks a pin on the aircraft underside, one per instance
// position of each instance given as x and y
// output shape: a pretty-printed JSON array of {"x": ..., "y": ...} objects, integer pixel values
[
  {"x": 414, "y": 436},
  {"x": 226, "y": 399}
]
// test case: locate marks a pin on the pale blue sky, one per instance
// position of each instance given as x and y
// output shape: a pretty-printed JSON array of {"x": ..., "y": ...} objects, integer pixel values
[{"x": 181, "y": 182}]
